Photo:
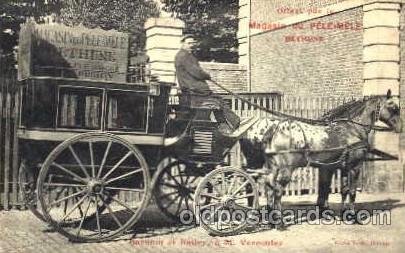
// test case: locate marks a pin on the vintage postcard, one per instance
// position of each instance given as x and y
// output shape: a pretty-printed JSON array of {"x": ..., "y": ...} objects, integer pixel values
[{"x": 202, "y": 125}]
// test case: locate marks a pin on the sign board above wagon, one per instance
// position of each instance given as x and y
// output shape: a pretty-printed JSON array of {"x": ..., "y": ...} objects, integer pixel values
[{"x": 72, "y": 52}]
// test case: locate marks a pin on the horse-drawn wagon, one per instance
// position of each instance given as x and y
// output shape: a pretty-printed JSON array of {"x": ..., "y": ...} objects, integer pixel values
[{"x": 90, "y": 150}]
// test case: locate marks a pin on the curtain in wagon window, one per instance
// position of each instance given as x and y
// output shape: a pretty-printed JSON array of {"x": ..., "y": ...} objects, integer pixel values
[
  {"x": 92, "y": 111},
  {"x": 69, "y": 109},
  {"x": 112, "y": 113}
]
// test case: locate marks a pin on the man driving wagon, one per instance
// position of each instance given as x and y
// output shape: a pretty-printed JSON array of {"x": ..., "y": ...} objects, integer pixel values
[{"x": 195, "y": 92}]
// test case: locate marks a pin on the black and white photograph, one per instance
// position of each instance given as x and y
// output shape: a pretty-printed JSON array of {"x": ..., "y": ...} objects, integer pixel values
[{"x": 202, "y": 126}]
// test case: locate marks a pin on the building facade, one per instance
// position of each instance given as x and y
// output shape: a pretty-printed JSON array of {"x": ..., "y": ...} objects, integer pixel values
[{"x": 329, "y": 48}]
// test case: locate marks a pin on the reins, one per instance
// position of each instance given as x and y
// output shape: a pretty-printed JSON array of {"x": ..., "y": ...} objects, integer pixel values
[
  {"x": 305, "y": 120},
  {"x": 276, "y": 113}
]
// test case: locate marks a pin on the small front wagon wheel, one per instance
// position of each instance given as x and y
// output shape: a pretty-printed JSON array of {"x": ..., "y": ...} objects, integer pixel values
[
  {"x": 225, "y": 200},
  {"x": 93, "y": 187},
  {"x": 174, "y": 189}
]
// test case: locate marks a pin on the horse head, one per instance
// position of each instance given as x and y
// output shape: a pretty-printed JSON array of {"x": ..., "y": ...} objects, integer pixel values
[{"x": 389, "y": 112}]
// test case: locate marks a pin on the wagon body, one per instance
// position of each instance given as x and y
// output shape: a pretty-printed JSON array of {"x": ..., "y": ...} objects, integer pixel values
[
  {"x": 97, "y": 144},
  {"x": 54, "y": 110}
]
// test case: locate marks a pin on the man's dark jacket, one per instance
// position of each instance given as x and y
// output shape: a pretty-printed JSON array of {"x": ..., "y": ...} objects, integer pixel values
[
  {"x": 190, "y": 76},
  {"x": 195, "y": 90}
]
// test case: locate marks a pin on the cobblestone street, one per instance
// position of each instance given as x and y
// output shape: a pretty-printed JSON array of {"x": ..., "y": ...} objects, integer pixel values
[{"x": 21, "y": 231}]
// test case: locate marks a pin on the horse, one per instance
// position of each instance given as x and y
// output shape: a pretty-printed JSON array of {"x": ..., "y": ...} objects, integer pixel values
[{"x": 277, "y": 145}]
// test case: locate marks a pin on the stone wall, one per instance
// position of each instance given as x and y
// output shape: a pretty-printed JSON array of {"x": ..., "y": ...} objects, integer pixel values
[
  {"x": 231, "y": 76},
  {"x": 402, "y": 95},
  {"x": 268, "y": 11}
]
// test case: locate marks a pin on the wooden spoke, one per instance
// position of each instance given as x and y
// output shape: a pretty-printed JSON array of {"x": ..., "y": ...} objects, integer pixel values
[
  {"x": 187, "y": 204},
  {"x": 209, "y": 205},
  {"x": 174, "y": 179},
  {"x": 83, "y": 218},
  {"x": 181, "y": 178},
  {"x": 117, "y": 164},
  {"x": 244, "y": 196},
  {"x": 80, "y": 206},
  {"x": 64, "y": 185},
  {"x": 107, "y": 150},
  {"x": 74, "y": 208},
  {"x": 170, "y": 185},
  {"x": 210, "y": 196},
  {"x": 123, "y": 176},
  {"x": 65, "y": 198},
  {"x": 124, "y": 189},
  {"x": 79, "y": 161},
  {"x": 240, "y": 188},
  {"x": 111, "y": 212},
  {"x": 93, "y": 170},
  {"x": 232, "y": 185},
  {"x": 178, "y": 207},
  {"x": 74, "y": 175},
  {"x": 97, "y": 216},
  {"x": 223, "y": 186},
  {"x": 123, "y": 204},
  {"x": 193, "y": 180}
]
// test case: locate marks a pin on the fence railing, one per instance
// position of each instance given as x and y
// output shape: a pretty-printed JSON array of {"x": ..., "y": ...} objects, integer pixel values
[{"x": 10, "y": 195}]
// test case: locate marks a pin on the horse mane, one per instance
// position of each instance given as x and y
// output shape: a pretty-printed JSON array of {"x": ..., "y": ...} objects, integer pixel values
[{"x": 348, "y": 110}]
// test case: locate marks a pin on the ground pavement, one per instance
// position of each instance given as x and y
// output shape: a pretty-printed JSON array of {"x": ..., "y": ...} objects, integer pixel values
[{"x": 21, "y": 232}]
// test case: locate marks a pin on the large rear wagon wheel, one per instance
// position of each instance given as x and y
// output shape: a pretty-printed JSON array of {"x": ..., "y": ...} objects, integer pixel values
[
  {"x": 93, "y": 187},
  {"x": 225, "y": 200}
]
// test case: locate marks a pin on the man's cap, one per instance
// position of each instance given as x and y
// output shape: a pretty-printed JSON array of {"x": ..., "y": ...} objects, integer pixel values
[{"x": 187, "y": 36}]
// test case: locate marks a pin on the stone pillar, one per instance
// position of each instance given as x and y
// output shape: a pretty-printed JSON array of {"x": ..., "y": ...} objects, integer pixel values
[
  {"x": 381, "y": 48},
  {"x": 244, "y": 37},
  {"x": 243, "y": 31},
  {"x": 163, "y": 37},
  {"x": 381, "y": 58}
]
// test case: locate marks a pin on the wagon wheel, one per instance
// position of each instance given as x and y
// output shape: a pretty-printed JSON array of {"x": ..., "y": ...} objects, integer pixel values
[
  {"x": 26, "y": 182},
  {"x": 174, "y": 189},
  {"x": 233, "y": 196},
  {"x": 93, "y": 187}
]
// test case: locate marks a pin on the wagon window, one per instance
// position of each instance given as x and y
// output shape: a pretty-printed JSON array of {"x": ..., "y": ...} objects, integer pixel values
[
  {"x": 79, "y": 108},
  {"x": 126, "y": 111}
]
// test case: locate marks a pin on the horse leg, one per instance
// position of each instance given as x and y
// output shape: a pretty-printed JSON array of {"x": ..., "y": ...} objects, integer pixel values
[
  {"x": 345, "y": 189},
  {"x": 325, "y": 179},
  {"x": 274, "y": 192},
  {"x": 283, "y": 179},
  {"x": 354, "y": 174}
]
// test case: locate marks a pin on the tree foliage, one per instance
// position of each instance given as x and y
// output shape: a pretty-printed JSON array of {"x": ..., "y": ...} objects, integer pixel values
[
  {"x": 15, "y": 12},
  {"x": 214, "y": 23},
  {"x": 122, "y": 15}
]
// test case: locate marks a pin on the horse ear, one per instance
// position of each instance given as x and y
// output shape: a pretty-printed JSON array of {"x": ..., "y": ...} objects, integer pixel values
[{"x": 389, "y": 95}]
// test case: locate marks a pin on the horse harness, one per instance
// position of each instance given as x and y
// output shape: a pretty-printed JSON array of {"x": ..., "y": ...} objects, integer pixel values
[{"x": 307, "y": 152}]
